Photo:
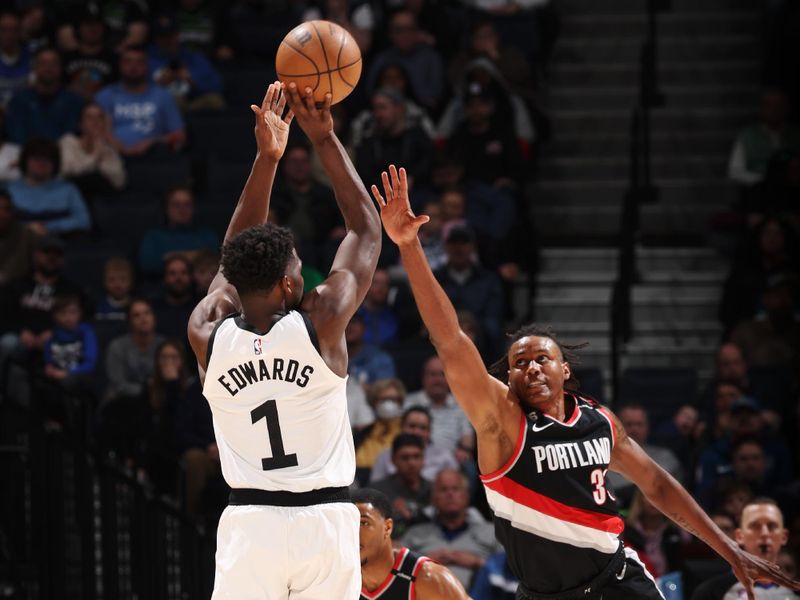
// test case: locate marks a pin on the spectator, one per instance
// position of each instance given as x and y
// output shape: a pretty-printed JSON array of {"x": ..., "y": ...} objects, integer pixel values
[
  {"x": 16, "y": 242},
  {"x": 359, "y": 411},
  {"x": 449, "y": 425},
  {"x": 205, "y": 267},
  {"x": 650, "y": 533},
  {"x": 40, "y": 198},
  {"x": 173, "y": 308},
  {"x": 91, "y": 64},
  {"x": 36, "y": 26},
  {"x": 88, "y": 159},
  {"x": 386, "y": 397},
  {"x": 634, "y": 418},
  {"x": 130, "y": 358},
  {"x": 70, "y": 358},
  {"x": 380, "y": 321},
  {"x": 680, "y": 435},
  {"x": 407, "y": 490},
  {"x": 367, "y": 363},
  {"x": 204, "y": 26},
  {"x": 392, "y": 139},
  {"x": 416, "y": 421},
  {"x": 471, "y": 287},
  {"x": 457, "y": 538},
  {"x": 756, "y": 144},
  {"x": 760, "y": 532},
  {"x": 117, "y": 287},
  {"x": 356, "y": 17},
  {"x": 179, "y": 236},
  {"x": 725, "y": 523},
  {"x": 495, "y": 581},
  {"x": 748, "y": 466},
  {"x": 307, "y": 207},
  {"x": 144, "y": 117},
  {"x": 9, "y": 152},
  {"x": 430, "y": 235},
  {"x": 422, "y": 62},
  {"x": 14, "y": 57},
  {"x": 45, "y": 109},
  {"x": 187, "y": 74}
]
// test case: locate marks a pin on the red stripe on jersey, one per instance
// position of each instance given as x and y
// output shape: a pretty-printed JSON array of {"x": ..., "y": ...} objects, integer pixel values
[
  {"x": 514, "y": 456},
  {"x": 412, "y": 590},
  {"x": 607, "y": 415},
  {"x": 389, "y": 578},
  {"x": 576, "y": 413},
  {"x": 527, "y": 497}
]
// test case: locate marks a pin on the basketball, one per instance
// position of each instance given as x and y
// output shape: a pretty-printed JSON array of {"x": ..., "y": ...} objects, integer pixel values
[{"x": 320, "y": 55}]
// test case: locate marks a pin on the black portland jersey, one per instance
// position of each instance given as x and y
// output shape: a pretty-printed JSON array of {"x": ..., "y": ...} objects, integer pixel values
[
  {"x": 400, "y": 583},
  {"x": 554, "y": 514}
]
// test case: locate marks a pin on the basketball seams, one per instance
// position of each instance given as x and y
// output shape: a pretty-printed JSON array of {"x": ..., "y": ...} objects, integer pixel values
[
  {"x": 347, "y": 66},
  {"x": 352, "y": 64},
  {"x": 340, "y": 68},
  {"x": 325, "y": 54},
  {"x": 309, "y": 59}
]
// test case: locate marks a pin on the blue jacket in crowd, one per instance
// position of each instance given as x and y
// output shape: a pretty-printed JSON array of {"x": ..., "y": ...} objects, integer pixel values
[{"x": 74, "y": 351}]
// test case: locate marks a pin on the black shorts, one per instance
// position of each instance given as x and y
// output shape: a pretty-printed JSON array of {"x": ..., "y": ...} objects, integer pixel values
[{"x": 633, "y": 582}]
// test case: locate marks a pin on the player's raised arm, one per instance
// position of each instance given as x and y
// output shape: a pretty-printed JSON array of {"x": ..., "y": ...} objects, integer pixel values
[
  {"x": 333, "y": 303},
  {"x": 272, "y": 122},
  {"x": 670, "y": 497},
  {"x": 475, "y": 390}
]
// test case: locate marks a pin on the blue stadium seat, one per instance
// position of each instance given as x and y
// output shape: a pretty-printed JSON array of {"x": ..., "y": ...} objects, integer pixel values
[{"x": 659, "y": 390}]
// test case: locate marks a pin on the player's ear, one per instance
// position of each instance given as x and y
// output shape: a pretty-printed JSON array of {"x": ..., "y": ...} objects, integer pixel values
[
  {"x": 389, "y": 527},
  {"x": 567, "y": 370}
]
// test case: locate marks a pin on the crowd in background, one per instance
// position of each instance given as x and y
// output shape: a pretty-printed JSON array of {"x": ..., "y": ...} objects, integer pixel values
[{"x": 93, "y": 91}]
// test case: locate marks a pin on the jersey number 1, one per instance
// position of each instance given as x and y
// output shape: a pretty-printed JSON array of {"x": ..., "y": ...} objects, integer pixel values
[{"x": 279, "y": 459}]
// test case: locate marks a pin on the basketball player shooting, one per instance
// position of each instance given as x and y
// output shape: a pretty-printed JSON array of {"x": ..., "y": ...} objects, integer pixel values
[
  {"x": 274, "y": 365},
  {"x": 544, "y": 452}
]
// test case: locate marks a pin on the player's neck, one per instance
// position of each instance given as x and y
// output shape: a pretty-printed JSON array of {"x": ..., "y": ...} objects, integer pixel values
[
  {"x": 260, "y": 314},
  {"x": 374, "y": 573}
]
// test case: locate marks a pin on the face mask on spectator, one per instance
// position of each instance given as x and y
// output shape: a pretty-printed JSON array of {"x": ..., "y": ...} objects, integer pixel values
[{"x": 386, "y": 410}]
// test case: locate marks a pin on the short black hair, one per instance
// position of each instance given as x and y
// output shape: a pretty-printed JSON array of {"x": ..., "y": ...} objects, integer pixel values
[
  {"x": 416, "y": 409},
  {"x": 256, "y": 259},
  {"x": 62, "y": 301},
  {"x": 744, "y": 441},
  {"x": 403, "y": 440},
  {"x": 40, "y": 147},
  {"x": 569, "y": 352},
  {"x": 372, "y": 496}
]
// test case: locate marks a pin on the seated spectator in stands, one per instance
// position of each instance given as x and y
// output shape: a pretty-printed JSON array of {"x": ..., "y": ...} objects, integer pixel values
[
  {"x": 88, "y": 159},
  {"x": 681, "y": 435},
  {"x": 453, "y": 203},
  {"x": 471, "y": 287},
  {"x": 36, "y": 31},
  {"x": 725, "y": 523},
  {"x": 380, "y": 321},
  {"x": 15, "y": 63},
  {"x": 457, "y": 538},
  {"x": 422, "y": 62},
  {"x": 637, "y": 425},
  {"x": 144, "y": 117},
  {"x": 91, "y": 63},
  {"x": 386, "y": 397},
  {"x": 729, "y": 366},
  {"x": 187, "y": 74},
  {"x": 392, "y": 139},
  {"x": 130, "y": 358},
  {"x": 771, "y": 249},
  {"x": 47, "y": 203},
  {"x": 174, "y": 305},
  {"x": 748, "y": 467},
  {"x": 70, "y": 358},
  {"x": 772, "y": 338},
  {"x": 494, "y": 581},
  {"x": 16, "y": 242},
  {"x": 203, "y": 26},
  {"x": 654, "y": 536},
  {"x": 359, "y": 411},
  {"x": 449, "y": 425},
  {"x": 205, "y": 267},
  {"x": 45, "y": 109},
  {"x": 757, "y": 143},
  {"x": 407, "y": 490},
  {"x": 179, "y": 236},
  {"x": 430, "y": 235},
  {"x": 761, "y": 532},
  {"x": 307, "y": 207},
  {"x": 416, "y": 421},
  {"x": 111, "y": 309},
  {"x": 357, "y": 18},
  {"x": 367, "y": 364},
  {"x": 9, "y": 152}
]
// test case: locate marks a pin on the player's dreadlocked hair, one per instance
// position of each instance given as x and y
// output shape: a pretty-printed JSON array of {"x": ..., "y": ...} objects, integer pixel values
[
  {"x": 256, "y": 259},
  {"x": 499, "y": 369}
]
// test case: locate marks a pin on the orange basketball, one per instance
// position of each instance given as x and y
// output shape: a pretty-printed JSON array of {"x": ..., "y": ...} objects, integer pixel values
[{"x": 320, "y": 55}]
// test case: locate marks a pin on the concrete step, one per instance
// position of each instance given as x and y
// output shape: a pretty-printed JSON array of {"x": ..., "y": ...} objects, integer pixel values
[
  {"x": 637, "y": 7},
  {"x": 720, "y": 72},
  {"x": 740, "y": 93},
  {"x": 568, "y": 260},
  {"x": 669, "y": 23},
  {"x": 592, "y": 168},
  {"x": 678, "y": 191},
  {"x": 576, "y": 309},
  {"x": 616, "y": 121},
  {"x": 663, "y": 143},
  {"x": 646, "y": 329},
  {"x": 646, "y": 293},
  {"x": 680, "y": 261}
]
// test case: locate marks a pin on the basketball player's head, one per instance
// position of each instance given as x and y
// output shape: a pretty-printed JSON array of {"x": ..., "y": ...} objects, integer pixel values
[
  {"x": 262, "y": 261},
  {"x": 375, "y": 532},
  {"x": 761, "y": 531},
  {"x": 537, "y": 366}
]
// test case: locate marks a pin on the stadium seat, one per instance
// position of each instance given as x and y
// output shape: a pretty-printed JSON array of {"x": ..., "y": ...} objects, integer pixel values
[{"x": 659, "y": 390}]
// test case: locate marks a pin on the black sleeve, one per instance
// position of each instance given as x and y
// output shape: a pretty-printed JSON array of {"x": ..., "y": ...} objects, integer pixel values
[{"x": 715, "y": 588}]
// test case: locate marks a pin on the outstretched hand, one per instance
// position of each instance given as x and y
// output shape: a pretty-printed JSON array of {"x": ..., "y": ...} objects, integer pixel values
[
  {"x": 401, "y": 224},
  {"x": 315, "y": 120},
  {"x": 749, "y": 569},
  {"x": 272, "y": 125}
]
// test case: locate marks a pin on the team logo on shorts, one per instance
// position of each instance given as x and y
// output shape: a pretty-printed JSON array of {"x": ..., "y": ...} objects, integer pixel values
[{"x": 257, "y": 346}]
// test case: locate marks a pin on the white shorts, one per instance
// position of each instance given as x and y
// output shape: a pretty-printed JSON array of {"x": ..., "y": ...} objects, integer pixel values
[{"x": 288, "y": 552}]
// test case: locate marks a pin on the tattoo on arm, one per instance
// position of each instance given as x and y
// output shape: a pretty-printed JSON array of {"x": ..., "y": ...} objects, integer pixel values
[{"x": 685, "y": 525}]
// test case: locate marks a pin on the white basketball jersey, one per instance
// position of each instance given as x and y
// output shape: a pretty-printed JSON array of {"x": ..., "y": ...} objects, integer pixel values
[{"x": 280, "y": 413}]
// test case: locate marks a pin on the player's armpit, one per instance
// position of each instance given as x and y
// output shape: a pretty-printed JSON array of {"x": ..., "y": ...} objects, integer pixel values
[{"x": 436, "y": 582}]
